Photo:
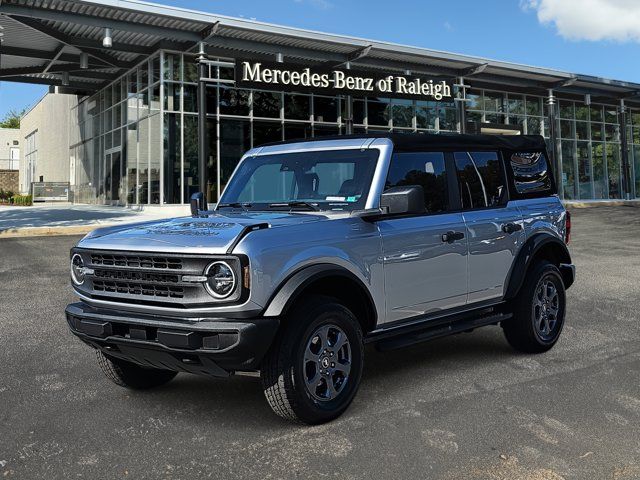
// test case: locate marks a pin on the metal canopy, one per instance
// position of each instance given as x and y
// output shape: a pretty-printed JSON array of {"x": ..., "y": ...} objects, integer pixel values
[{"x": 44, "y": 39}]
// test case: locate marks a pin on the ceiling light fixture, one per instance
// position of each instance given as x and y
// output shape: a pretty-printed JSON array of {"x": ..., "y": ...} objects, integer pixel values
[
  {"x": 107, "y": 41},
  {"x": 84, "y": 60}
]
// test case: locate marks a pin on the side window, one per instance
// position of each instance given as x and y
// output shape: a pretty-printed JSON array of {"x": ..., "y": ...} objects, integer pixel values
[
  {"x": 480, "y": 179},
  {"x": 530, "y": 172},
  {"x": 426, "y": 169}
]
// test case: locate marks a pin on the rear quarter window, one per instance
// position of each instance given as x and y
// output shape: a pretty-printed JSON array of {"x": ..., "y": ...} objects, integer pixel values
[{"x": 530, "y": 172}]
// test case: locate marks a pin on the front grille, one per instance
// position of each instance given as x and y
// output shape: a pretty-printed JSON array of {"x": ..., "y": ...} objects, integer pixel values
[
  {"x": 136, "y": 261},
  {"x": 152, "y": 277},
  {"x": 131, "y": 288}
]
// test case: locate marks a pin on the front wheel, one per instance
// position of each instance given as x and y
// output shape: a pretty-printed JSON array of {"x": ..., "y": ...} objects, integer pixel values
[
  {"x": 130, "y": 375},
  {"x": 539, "y": 311},
  {"x": 313, "y": 370}
]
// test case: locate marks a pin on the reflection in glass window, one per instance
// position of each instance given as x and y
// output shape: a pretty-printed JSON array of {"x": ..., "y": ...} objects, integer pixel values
[
  {"x": 566, "y": 109},
  {"x": 516, "y": 104},
  {"x": 295, "y": 131},
  {"x": 530, "y": 172},
  {"x": 266, "y": 132},
  {"x": 267, "y": 104},
  {"x": 447, "y": 118},
  {"x": 190, "y": 173},
  {"x": 325, "y": 109},
  {"x": 636, "y": 158},
  {"x": 402, "y": 113},
  {"x": 149, "y": 160},
  {"x": 358, "y": 111},
  {"x": 171, "y": 67},
  {"x": 190, "y": 69},
  {"x": 234, "y": 101},
  {"x": 613, "y": 171},
  {"x": 297, "y": 107},
  {"x": 235, "y": 140},
  {"x": 568, "y": 177},
  {"x": 584, "y": 171},
  {"x": 599, "y": 181},
  {"x": 426, "y": 115},
  {"x": 493, "y": 101},
  {"x": 190, "y": 98},
  {"x": 533, "y": 106},
  {"x": 378, "y": 112},
  {"x": 325, "y": 130},
  {"x": 582, "y": 130},
  {"x": 421, "y": 168},
  {"x": 480, "y": 179},
  {"x": 172, "y": 160},
  {"x": 172, "y": 96}
]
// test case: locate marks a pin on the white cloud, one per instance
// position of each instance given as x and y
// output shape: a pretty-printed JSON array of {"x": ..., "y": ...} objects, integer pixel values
[
  {"x": 448, "y": 27},
  {"x": 593, "y": 20}
]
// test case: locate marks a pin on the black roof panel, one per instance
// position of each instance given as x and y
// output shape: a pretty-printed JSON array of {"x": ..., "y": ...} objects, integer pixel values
[{"x": 415, "y": 141}]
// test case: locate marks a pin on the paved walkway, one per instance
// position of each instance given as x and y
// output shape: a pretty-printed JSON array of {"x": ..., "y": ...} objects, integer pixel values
[{"x": 68, "y": 219}]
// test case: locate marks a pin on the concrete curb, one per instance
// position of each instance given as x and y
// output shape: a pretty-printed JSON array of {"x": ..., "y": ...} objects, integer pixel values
[
  {"x": 50, "y": 231},
  {"x": 601, "y": 203}
]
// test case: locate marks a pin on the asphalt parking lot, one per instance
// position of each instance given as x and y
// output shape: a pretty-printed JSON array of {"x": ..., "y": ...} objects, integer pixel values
[{"x": 464, "y": 407}]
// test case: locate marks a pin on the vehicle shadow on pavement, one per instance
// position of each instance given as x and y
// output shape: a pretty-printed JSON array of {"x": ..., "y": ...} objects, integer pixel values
[{"x": 212, "y": 400}]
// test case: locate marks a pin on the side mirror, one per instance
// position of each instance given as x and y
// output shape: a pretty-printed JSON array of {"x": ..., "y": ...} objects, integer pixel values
[
  {"x": 198, "y": 204},
  {"x": 403, "y": 200}
]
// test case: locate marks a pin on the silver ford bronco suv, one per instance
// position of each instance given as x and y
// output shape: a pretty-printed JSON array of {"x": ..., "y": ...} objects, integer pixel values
[{"x": 319, "y": 247}]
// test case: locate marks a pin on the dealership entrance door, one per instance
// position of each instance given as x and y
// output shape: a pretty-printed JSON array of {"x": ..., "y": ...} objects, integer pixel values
[{"x": 114, "y": 187}]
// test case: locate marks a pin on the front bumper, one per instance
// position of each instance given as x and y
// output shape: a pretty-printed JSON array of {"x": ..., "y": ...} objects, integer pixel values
[{"x": 213, "y": 346}]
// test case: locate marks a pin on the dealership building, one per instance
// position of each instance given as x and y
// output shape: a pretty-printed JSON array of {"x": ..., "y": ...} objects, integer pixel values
[{"x": 166, "y": 100}]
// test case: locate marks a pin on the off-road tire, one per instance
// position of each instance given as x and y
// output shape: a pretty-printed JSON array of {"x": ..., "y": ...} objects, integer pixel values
[
  {"x": 521, "y": 331},
  {"x": 130, "y": 375},
  {"x": 283, "y": 368}
]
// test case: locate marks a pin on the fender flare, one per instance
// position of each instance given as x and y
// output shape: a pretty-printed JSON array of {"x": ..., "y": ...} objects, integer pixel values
[
  {"x": 526, "y": 255},
  {"x": 293, "y": 286}
]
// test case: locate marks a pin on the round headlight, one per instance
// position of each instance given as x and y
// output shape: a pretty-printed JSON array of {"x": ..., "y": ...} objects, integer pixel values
[
  {"x": 221, "y": 281},
  {"x": 77, "y": 269}
]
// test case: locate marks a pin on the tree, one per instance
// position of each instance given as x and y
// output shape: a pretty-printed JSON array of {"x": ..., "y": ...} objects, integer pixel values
[{"x": 12, "y": 118}]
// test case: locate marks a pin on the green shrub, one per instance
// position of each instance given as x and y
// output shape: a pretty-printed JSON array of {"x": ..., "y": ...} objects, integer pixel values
[
  {"x": 22, "y": 200},
  {"x": 6, "y": 195}
]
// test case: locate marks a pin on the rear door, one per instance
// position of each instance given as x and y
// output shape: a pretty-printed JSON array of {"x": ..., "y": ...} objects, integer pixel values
[
  {"x": 494, "y": 225},
  {"x": 424, "y": 271}
]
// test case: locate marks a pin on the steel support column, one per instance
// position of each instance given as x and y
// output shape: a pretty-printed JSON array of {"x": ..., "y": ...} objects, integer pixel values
[
  {"x": 462, "y": 110},
  {"x": 348, "y": 108},
  {"x": 555, "y": 142},
  {"x": 203, "y": 140},
  {"x": 624, "y": 152}
]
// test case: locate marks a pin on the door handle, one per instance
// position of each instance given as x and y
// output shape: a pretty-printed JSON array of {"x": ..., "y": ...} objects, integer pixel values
[
  {"x": 452, "y": 236},
  {"x": 511, "y": 227}
]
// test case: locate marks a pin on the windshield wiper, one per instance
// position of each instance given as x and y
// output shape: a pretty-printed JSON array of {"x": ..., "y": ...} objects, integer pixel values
[
  {"x": 243, "y": 205},
  {"x": 295, "y": 204}
]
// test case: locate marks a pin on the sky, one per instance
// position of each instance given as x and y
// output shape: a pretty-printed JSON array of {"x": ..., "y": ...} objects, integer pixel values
[{"x": 595, "y": 37}]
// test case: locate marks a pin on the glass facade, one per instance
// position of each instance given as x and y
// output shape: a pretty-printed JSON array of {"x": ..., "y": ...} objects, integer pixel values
[{"x": 136, "y": 141}]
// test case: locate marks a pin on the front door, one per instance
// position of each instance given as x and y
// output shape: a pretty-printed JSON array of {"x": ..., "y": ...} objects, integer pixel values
[
  {"x": 424, "y": 256},
  {"x": 494, "y": 226},
  {"x": 114, "y": 183}
]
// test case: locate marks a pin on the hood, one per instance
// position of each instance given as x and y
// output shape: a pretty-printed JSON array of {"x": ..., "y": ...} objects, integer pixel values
[{"x": 215, "y": 233}]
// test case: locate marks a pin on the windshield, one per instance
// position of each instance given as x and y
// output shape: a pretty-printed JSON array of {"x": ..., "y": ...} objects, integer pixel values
[{"x": 319, "y": 180}]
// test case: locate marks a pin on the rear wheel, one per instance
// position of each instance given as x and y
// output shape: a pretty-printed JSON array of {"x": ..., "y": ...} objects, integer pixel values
[
  {"x": 127, "y": 374},
  {"x": 313, "y": 370},
  {"x": 539, "y": 310}
]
